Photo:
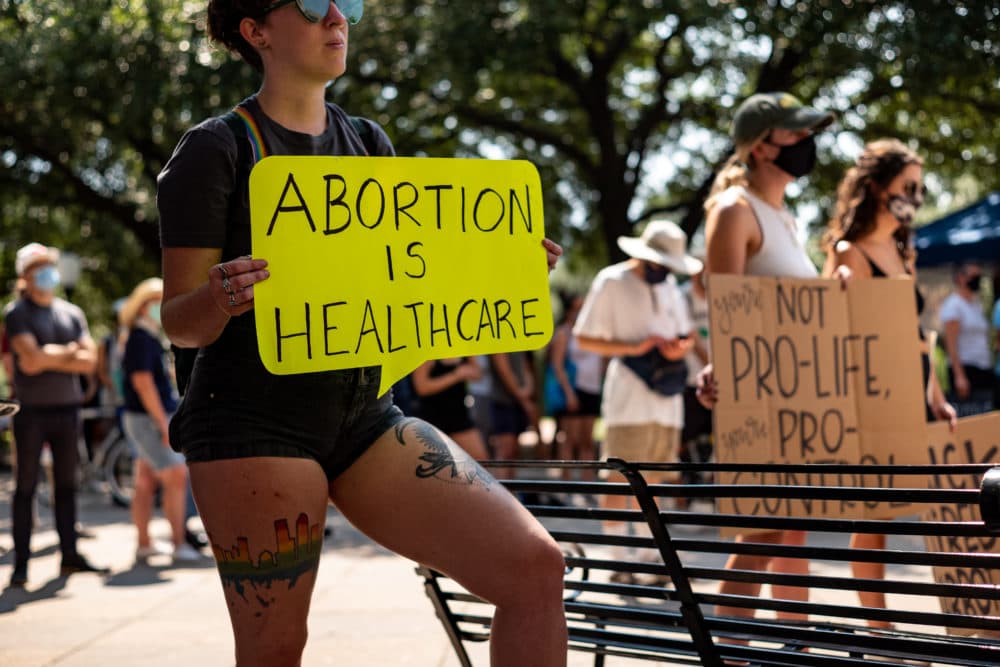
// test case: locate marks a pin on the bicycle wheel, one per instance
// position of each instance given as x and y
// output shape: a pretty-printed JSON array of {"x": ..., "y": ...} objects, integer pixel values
[{"x": 118, "y": 464}]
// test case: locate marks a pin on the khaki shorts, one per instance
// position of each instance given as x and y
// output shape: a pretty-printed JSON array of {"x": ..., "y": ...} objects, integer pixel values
[{"x": 642, "y": 443}]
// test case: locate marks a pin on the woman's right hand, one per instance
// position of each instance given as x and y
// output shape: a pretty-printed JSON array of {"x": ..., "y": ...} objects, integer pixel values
[
  {"x": 708, "y": 388},
  {"x": 962, "y": 386},
  {"x": 231, "y": 283}
]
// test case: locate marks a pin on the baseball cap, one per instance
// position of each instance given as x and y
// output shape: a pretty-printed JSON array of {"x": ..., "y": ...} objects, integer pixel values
[
  {"x": 32, "y": 254},
  {"x": 768, "y": 111}
]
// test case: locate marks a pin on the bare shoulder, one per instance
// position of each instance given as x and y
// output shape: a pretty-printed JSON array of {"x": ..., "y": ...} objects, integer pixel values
[
  {"x": 732, "y": 235},
  {"x": 848, "y": 254}
]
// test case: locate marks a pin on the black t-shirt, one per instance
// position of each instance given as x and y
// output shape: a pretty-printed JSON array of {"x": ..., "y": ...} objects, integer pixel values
[
  {"x": 446, "y": 409},
  {"x": 193, "y": 199},
  {"x": 59, "y": 323},
  {"x": 144, "y": 352}
]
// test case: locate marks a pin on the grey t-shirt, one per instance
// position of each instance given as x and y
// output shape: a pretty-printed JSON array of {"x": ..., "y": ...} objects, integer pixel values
[{"x": 59, "y": 323}]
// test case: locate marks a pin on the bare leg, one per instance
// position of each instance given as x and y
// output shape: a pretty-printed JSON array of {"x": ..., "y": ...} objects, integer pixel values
[
  {"x": 870, "y": 571},
  {"x": 174, "y": 480},
  {"x": 142, "y": 500},
  {"x": 449, "y": 514},
  {"x": 472, "y": 442},
  {"x": 264, "y": 517},
  {"x": 505, "y": 447},
  {"x": 761, "y": 563},
  {"x": 791, "y": 566}
]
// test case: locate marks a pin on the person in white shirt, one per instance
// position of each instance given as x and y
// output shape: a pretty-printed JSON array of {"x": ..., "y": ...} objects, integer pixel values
[
  {"x": 967, "y": 341},
  {"x": 634, "y": 313}
]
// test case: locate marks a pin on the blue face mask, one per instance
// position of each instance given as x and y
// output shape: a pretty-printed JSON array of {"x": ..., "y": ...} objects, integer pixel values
[
  {"x": 47, "y": 278},
  {"x": 154, "y": 312}
]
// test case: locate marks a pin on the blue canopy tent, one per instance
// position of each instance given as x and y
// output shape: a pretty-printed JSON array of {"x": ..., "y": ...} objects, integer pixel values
[{"x": 972, "y": 233}]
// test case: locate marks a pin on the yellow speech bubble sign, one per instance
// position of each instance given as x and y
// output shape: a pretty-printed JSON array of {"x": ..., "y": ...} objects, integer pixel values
[{"x": 394, "y": 261}]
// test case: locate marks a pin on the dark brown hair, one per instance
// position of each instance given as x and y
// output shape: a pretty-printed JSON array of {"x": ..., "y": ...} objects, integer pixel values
[
  {"x": 857, "y": 195},
  {"x": 224, "y": 18}
]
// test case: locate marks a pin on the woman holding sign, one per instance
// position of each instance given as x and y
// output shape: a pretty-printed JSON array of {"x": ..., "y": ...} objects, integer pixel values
[
  {"x": 870, "y": 234},
  {"x": 267, "y": 452},
  {"x": 750, "y": 231}
]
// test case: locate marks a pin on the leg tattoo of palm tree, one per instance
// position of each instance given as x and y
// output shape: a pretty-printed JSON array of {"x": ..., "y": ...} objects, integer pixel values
[{"x": 439, "y": 460}]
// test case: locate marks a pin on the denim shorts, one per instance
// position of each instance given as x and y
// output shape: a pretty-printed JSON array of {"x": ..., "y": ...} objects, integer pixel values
[
  {"x": 141, "y": 431},
  {"x": 243, "y": 412}
]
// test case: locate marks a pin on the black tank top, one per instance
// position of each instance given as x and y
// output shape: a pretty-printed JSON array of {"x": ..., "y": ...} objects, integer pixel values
[
  {"x": 925, "y": 362},
  {"x": 877, "y": 272}
]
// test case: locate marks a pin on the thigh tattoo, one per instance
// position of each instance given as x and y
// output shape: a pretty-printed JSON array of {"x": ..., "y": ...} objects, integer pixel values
[
  {"x": 439, "y": 460},
  {"x": 296, "y": 552}
]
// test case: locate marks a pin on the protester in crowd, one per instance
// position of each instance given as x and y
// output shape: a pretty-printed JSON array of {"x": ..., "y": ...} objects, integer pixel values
[
  {"x": 871, "y": 235},
  {"x": 635, "y": 313},
  {"x": 696, "y": 437},
  {"x": 441, "y": 388},
  {"x": 967, "y": 340},
  {"x": 750, "y": 231},
  {"x": 572, "y": 389},
  {"x": 52, "y": 347},
  {"x": 109, "y": 363},
  {"x": 150, "y": 401},
  {"x": 512, "y": 405},
  {"x": 267, "y": 452}
]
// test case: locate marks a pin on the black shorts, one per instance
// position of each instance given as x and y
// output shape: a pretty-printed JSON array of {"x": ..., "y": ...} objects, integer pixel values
[
  {"x": 506, "y": 419},
  {"x": 697, "y": 418},
  {"x": 590, "y": 405},
  {"x": 332, "y": 420}
]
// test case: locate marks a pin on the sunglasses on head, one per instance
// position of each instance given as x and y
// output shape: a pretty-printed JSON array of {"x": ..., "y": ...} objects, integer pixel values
[{"x": 315, "y": 11}]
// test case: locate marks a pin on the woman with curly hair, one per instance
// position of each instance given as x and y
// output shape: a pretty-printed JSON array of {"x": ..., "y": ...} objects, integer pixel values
[{"x": 871, "y": 235}]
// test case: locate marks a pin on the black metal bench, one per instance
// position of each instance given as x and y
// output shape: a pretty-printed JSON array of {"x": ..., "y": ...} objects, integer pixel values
[{"x": 674, "y": 621}]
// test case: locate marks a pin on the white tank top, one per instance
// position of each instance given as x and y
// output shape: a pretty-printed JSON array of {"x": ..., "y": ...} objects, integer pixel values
[{"x": 781, "y": 253}]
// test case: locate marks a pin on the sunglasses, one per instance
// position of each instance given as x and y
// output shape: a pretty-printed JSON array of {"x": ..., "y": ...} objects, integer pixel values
[
  {"x": 915, "y": 190},
  {"x": 315, "y": 11}
]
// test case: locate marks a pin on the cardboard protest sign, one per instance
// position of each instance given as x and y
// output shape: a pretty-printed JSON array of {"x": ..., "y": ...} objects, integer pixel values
[
  {"x": 811, "y": 373},
  {"x": 394, "y": 261},
  {"x": 976, "y": 440}
]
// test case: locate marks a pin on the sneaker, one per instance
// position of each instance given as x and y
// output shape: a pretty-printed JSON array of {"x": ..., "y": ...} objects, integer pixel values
[
  {"x": 78, "y": 563},
  {"x": 185, "y": 553},
  {"x": 19, "y": 578},
  {"x": 153, "y": 549},
  {"x": 197, "y": 540}
]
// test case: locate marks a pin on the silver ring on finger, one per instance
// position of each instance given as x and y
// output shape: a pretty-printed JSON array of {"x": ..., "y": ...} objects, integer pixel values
[
  {"x": 226, "y": 285},
  {"x": 222, "y": 270},
  {"x": 232, "y": 299}
]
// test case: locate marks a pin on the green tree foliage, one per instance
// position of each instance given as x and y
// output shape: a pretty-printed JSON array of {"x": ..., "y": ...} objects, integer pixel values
[{"x": 623, "y": 105}]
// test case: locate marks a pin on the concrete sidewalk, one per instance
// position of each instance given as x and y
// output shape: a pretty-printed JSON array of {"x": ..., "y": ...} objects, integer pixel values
[{"x": 368, "y": 608}]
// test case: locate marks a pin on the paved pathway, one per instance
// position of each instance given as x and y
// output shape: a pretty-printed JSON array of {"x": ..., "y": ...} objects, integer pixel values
[{"x": 368, "y": 609}]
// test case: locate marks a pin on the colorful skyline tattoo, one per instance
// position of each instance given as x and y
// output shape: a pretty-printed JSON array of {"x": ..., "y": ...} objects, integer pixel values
[{"x": 293, "y": 555}]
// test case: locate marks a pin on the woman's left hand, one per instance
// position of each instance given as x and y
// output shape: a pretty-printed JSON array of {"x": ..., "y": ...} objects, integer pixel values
[
  {"x": 945, "y": 411},
  {"x": 553, "y": 252},
  {"x": 844, "y": 274}
]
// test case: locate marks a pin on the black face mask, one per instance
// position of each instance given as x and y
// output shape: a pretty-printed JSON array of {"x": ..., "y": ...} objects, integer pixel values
[
  {"x": 654, "y": 274},
  {"x": 798, "y": 159},
  {"x": 974, "y": 283}
]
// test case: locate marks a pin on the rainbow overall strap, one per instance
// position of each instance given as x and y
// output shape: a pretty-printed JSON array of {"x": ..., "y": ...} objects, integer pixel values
[{"x": 253, "y": 134}]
